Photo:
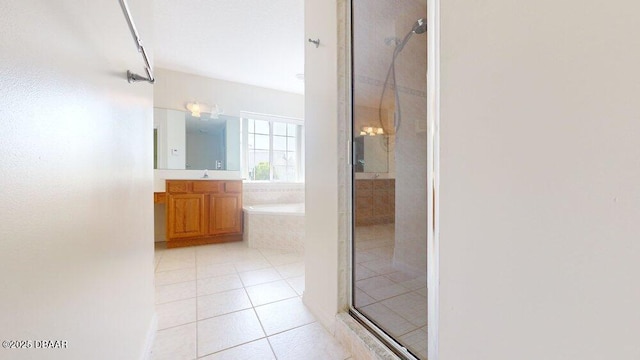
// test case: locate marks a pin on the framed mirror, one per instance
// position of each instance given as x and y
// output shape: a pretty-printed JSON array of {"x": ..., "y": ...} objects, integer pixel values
[{"x": 186, "y": 142}]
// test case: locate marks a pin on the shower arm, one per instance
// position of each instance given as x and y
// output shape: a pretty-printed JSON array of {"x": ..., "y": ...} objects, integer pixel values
[{"x": 133, "y": 77}]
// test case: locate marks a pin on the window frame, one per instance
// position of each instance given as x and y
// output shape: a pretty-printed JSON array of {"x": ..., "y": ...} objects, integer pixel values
[{"x": 245, "y": 116}]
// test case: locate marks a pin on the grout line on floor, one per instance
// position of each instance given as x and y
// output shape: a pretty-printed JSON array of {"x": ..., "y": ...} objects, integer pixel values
[
  {"x": 175, "y": 326},
  {"x": 258, "y": 317},
  {"x": 293, "y": 328},
  {"x": 233, "y": 347},
  {"x": 200, "y": 262},
  {"x": 196, "y": 264}
]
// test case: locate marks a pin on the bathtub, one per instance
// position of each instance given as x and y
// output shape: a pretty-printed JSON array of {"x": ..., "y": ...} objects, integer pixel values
[{"x": 275, "y": 226}]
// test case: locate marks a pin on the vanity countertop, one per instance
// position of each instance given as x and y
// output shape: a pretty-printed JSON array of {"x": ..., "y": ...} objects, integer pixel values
[{"x": 160, "y": 176}]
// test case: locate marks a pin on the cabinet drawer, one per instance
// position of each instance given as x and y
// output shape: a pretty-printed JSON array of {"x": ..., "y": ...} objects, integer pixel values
[
  {"x": 233, "y": 187},
  {"x": 178, "y": 186},
  {"x": 159, "y": 197},
  {"x": 210, "y": 186}
]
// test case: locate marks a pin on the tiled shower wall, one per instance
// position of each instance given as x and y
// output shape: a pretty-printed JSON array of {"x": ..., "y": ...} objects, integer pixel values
[
  {"x": 272, "y": 193},
  {"x": 411, "y": 147},
  {"x": 392, "y": 20}
]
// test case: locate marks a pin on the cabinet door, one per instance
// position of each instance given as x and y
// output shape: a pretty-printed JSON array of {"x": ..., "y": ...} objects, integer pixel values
[
  {"x": 226, "y": 214},
  {"x": 185, "y": 216}
]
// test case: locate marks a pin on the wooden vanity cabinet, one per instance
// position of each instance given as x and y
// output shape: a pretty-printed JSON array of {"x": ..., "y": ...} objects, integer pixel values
[
  {"x": 375, "y": 201},
  {"x": 203, "y": 212},
  {"x": 186, "y": 216},
  {"x": 226, "y": 213}
]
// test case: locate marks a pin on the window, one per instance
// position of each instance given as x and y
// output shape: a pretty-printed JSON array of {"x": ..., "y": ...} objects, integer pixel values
[{"x": 273, "y": 148}]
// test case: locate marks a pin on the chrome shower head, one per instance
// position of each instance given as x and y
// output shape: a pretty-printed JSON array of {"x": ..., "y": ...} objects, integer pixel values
[{"x": 420, "y": 27}]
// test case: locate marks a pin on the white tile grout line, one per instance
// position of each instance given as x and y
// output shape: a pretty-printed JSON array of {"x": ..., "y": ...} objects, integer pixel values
[
  {"x": 267, "y": 256},
  {"x": 196, "y": 263},
  {"x": 236, "y": 272},
  {"x": 261, "y": 338},
  {"x": 258, "y": 317},
  {"x": 244, "y": 287},
  {"x": 223, "y": 291}
]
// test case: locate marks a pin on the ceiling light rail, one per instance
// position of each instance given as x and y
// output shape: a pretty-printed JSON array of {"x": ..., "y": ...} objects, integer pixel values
[{"x": 133, "y": 77}]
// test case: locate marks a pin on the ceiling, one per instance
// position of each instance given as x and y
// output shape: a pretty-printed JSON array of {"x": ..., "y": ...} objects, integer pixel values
[{"x": 254, "y": 42}]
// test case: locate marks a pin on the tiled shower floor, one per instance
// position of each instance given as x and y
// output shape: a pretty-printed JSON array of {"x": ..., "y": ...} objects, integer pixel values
[
  {"x": 227, "y": 301},
  {"x": 395, "y": 300}
]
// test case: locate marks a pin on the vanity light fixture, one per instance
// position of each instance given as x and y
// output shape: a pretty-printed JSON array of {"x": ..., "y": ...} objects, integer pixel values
[
  {"x": 371, "y": 131},
  {"x": 194, "y": 107},
  {"x": 216, "y": 111},
  {"x": 197, "y": 109}
]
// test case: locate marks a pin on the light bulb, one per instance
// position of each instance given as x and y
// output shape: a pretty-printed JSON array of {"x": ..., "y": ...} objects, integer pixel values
[{"x": 194, "y": 108}]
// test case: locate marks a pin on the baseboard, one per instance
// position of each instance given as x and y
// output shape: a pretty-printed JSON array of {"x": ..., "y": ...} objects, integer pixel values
[
  {"x": 150, "y": 338},
  {"x": 174, "y": 243}
]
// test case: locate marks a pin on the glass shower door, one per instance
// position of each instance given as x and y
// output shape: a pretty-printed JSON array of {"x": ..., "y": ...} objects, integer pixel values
[{"x": 389, "y": 258}]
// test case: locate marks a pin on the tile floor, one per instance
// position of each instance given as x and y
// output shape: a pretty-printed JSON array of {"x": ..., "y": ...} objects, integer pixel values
[
  {"x": 395, "y": 300},
  {"x": 227, "y": 301}
]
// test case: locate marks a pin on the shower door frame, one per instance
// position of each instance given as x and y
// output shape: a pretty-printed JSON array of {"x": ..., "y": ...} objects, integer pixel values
[{"x": 433, "y": 182}]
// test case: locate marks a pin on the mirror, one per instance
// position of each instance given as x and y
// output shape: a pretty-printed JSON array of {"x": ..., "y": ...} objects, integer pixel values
[
  {"x": 373, "y": 148},
  {"x": 371, "y": 154},
  {"x": 185, "y": 142}
]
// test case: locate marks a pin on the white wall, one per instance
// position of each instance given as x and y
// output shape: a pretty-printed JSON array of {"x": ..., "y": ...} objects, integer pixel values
[
  {"x": 321, "y": 157},
  {"x": 540, "y": 166},
  {"x": 75, "y": 236},
  {"x": 173, "y": 90},
  {"x": 176, "y": 150},
  {"x": 162, "y": 147},
  {"x": 233, "y": 144}
]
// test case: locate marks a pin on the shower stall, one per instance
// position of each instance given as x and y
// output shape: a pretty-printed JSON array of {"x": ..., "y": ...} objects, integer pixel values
[{"x": 389, "y": 187}]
